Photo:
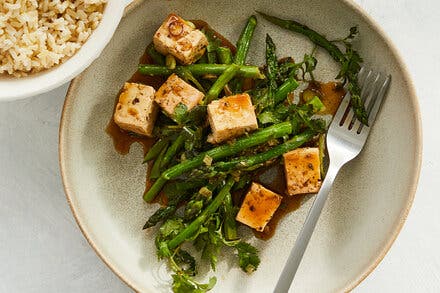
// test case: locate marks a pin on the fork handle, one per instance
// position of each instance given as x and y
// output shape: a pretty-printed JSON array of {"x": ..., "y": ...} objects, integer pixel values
[{"x": 296, "y": 254}]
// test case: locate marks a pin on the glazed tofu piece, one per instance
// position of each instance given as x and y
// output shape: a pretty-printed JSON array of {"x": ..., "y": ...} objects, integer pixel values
[
  {"x": 230, "y": 117},
  {"x": 258, "y": 207},
  {"x": 179, "y": 39},
  {"x": 303, "y": 172},
  {"x": 136, "y": 110},
  {"x": 175, "y": 91}
]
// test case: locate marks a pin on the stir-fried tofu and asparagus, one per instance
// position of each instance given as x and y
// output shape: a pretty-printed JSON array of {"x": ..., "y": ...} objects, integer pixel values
[{"x": 217, "y": 122}]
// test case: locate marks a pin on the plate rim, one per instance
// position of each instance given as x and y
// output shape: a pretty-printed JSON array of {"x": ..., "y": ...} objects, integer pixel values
[{"x": 369, "y": 268}]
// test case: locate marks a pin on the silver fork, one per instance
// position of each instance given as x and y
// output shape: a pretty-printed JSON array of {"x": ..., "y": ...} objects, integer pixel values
[{"x": 345, "y": 139}]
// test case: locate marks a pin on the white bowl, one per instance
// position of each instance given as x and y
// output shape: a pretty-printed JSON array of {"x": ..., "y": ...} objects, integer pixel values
[
  {"x": 369, "y": 201},
  {"x": 13, "y": 88}
]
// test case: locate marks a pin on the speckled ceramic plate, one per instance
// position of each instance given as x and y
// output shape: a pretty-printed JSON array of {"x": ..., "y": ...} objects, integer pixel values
[{"x": 368, "y": 204}]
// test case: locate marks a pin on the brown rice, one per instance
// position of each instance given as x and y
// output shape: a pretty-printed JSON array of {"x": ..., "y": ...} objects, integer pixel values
[{"x": 39, "y": 34}]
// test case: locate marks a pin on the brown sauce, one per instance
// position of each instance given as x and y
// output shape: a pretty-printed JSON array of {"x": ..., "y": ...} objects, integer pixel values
[
  {"x": 330, "y": 93},
  {"x": 122, "y": 140},
  {"x": 273, "y": 178}
]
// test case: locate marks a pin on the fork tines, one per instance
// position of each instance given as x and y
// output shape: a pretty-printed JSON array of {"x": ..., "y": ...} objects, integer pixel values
[{"x": 374, "y": 86}]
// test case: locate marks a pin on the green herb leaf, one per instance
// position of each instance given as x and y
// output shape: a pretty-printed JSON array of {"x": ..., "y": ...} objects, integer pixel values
[
  {"x": 350, "y": 60},
  {"x": 182, "y": 283},
  {"x": 185, "y": 261},
  {"x": 180, "y": 113},
  {"x": 309, "y": 64},
  {"x": 247, "y": 257},
  {"x": 268, "y": 117}
]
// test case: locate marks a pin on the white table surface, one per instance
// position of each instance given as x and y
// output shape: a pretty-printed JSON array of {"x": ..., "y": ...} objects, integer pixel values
[{"x": 42, "y": 249}]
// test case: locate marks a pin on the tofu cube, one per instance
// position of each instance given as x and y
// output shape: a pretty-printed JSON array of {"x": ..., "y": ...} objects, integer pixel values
[
  {"x": 303, "y": 172},
  {"x": 258, "y": 207},
  {"x": 136, "y": 110},
  {"x": 175, "y": 91},
  {"x": 230, "y": 117},
  {"x": 177, "y": 38}
]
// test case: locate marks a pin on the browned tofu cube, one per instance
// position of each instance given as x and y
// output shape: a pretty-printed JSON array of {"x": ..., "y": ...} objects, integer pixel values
[
  {"x": 231, "y": 117},
  {"x": 258, "y": 207},
  {"x": 179, "y": 39},
  {"x": 136, "y": 110},
  {"x": 303, "y": 173},
  {"x": 175, "y": 91}
]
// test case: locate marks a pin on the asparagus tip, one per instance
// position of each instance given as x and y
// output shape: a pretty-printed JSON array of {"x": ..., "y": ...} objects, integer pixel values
[{"x": 253, "y": 19}]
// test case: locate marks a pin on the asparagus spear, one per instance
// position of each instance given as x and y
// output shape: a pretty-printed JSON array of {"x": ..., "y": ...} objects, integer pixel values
[
  {"x": 283, "y": 90},
  {"x": 224, "y": 55},
  {"x": 170, "y": 61},
  {"x": 156, "y": 56},
  {"x": 164, "y": 213},
  {"x": 277, "y": 151},
  {"x": 201, "y": 69},
  {"x": 155, "y": 170},
  {"x": 195, "y": 205},
  {"x": 187, "y": 76},
  {"x": 351, "y": 69},
  {"x": 174, "y": 188},
  {"x": 213, "y": 44},
  {"x": 176, "y": 192},
  {"x": 155, "y": 150},
  {"x": 218, "y": 85},
  {"x": 245, "y": 40},
  {"x": 203, "y": 59},
  {"x": 192, "y": 228},
  {"x": 272, "y": 68},
  {"x": 314, "y": 36},
  {"x": 173, "y": 149},
  {"x": 257, "y": 138},
  {"x": 243, "y": 45},
  {"x": 229, "y": 225},
  {"x": 264, "y": 104}
]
